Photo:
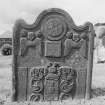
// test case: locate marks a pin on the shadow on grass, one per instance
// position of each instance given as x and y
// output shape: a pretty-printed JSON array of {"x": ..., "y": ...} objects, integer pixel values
[{"x": 96, "y": 92}]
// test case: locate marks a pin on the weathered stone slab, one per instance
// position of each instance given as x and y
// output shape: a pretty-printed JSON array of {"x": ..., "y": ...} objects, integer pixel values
[{"x": 52, "y": 58}]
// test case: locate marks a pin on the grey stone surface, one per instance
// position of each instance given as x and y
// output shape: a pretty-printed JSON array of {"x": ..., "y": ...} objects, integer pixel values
[{"x": 52, "y": 58}]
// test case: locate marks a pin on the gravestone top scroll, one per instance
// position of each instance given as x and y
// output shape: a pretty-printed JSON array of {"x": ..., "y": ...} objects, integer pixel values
[{"x": 52, "y": 58}]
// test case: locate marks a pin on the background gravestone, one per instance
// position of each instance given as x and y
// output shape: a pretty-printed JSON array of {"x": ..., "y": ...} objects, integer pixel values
[
  {"x": 52, "y": 58},
  {"x": 99, "y": 42}
]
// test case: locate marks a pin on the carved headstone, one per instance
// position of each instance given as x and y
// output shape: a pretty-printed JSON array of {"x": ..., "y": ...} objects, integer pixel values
[{"x": 52, "y": 59}]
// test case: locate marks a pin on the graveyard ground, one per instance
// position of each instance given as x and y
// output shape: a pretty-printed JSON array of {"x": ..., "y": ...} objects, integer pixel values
[{"x": 98, "y": 86}]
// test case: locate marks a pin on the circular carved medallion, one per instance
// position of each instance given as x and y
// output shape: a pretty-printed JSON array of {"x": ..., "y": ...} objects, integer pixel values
[{"x": 53, "y": 27}]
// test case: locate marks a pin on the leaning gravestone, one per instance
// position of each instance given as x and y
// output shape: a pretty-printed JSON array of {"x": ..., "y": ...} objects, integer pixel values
[{"x": 52, "y": 58}]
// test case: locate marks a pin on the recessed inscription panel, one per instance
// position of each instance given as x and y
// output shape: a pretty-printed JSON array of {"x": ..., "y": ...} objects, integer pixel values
[{"x": 53, "y": 49}]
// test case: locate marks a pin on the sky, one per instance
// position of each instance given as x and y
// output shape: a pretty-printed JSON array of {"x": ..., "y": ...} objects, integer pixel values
[{"x": 80, "y": 10}]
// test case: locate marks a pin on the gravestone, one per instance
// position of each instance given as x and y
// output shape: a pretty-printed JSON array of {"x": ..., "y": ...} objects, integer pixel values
[
  {"x": 52, "y": 58},
  {"x": 99, "y": 42}
]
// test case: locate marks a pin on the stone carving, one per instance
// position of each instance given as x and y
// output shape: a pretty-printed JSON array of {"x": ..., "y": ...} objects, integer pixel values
[
  {"x": 53, "y": 27},
  {"x": 72, "y": 42},
  {"x": 36, "y": 97},
  {"x": 31, "y": 36},
  {"x": 27, "y": 40},
  {"x": 52, "y": 59},
  {"x": 52, "y": 82},
  {"x": 68, "y": 77},
  {"x": 37, "y": 75}
]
